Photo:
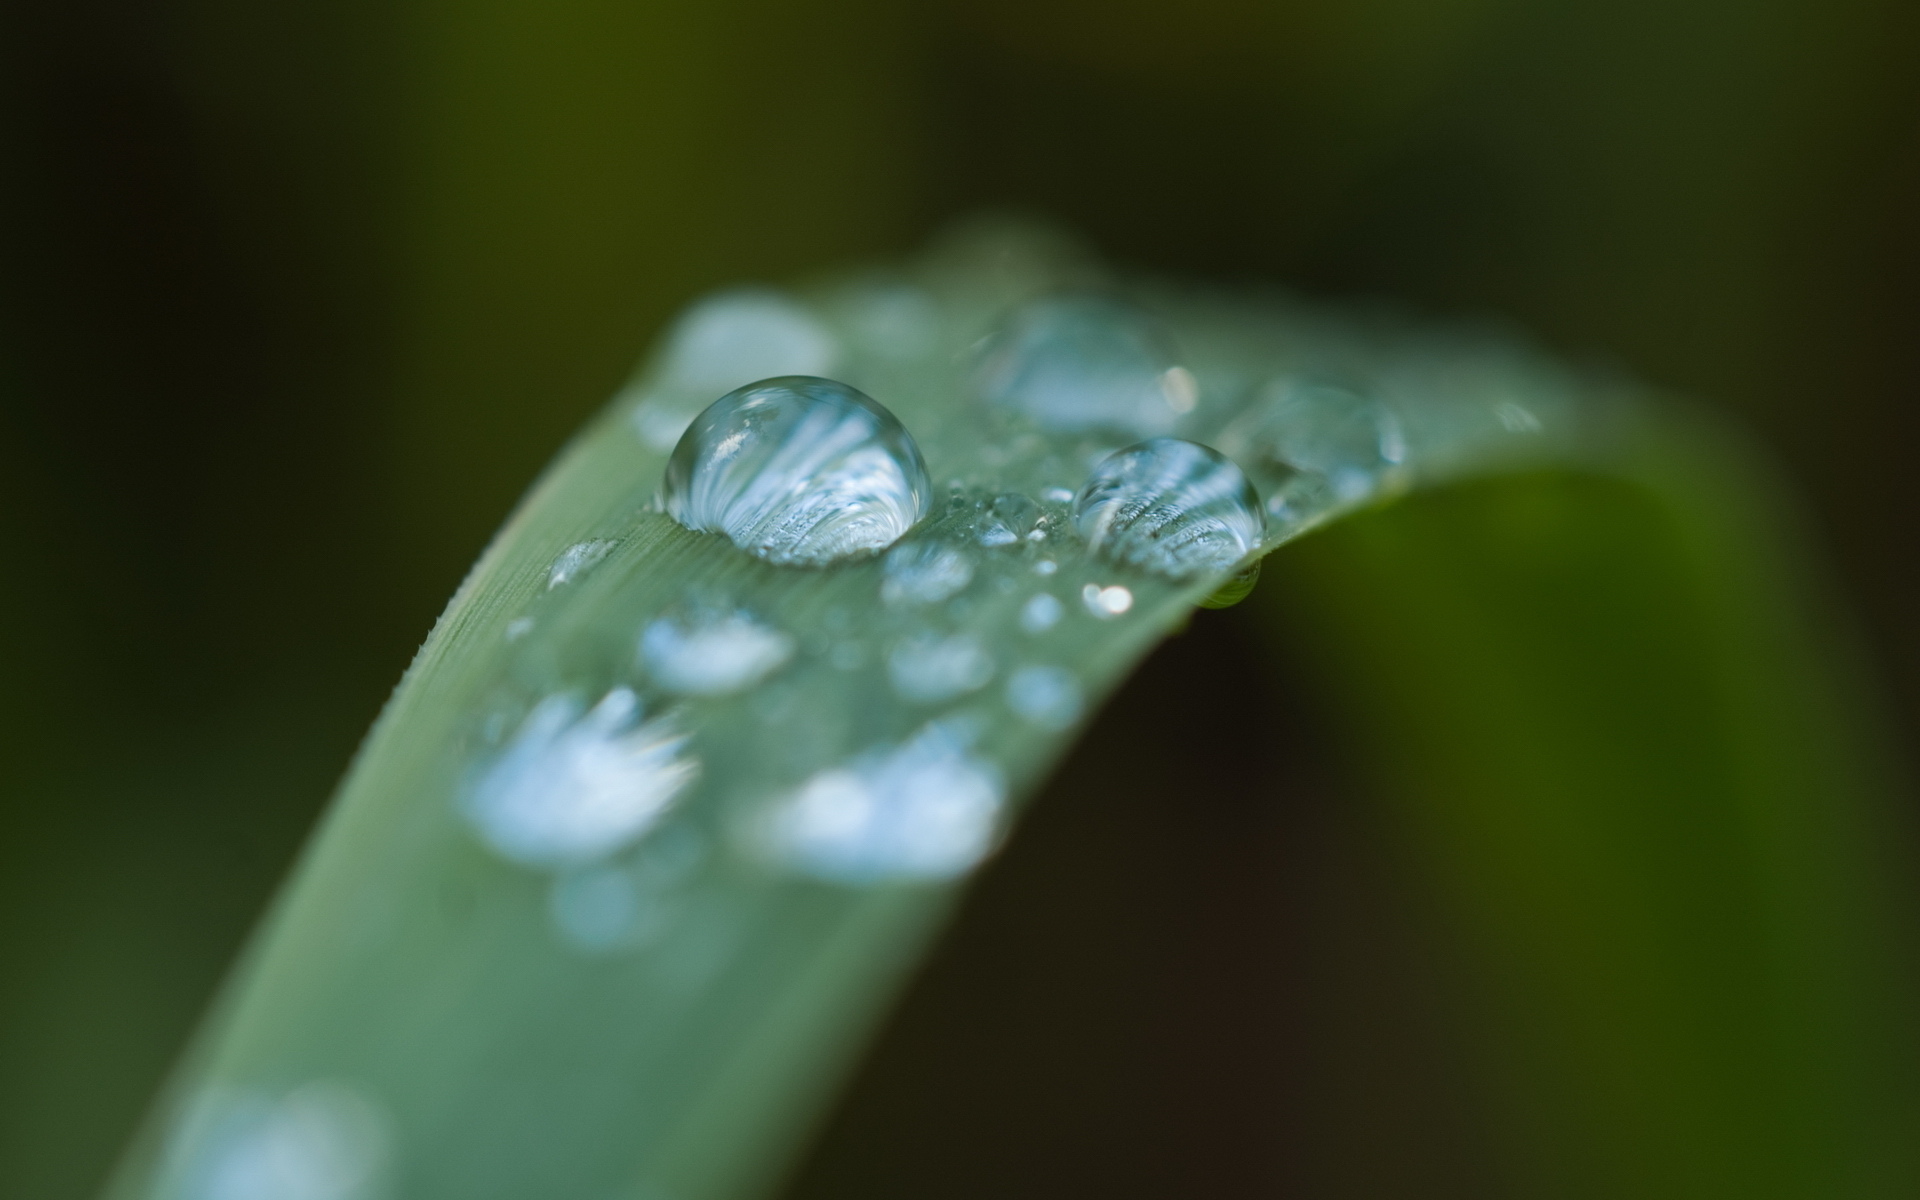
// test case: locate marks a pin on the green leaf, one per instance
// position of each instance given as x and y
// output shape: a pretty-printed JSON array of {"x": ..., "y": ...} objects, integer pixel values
[{"x": 440, "y": 1007}]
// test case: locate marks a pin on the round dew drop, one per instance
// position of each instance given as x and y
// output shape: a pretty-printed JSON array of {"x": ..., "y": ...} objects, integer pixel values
[
  {"x": 798, "y": 470},
  {"x": 1171, "y": 507},
  {"x": 1083, "y": 362}
]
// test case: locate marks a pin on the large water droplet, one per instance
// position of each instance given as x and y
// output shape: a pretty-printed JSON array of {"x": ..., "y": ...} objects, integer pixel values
[
  {"x": 1352, "y": 441},
  {"x": 926, "y": 573},
  {"x": 928, "y": 669},
  {"x": 924, "y": 810},
  {"x": 712, "y": 653},
  {"x": 1087, "y": 362},
  {"x": 798, "y": 470},
  {"x": 571, "y": 788},
  {"x": 1171, "y": 507}
]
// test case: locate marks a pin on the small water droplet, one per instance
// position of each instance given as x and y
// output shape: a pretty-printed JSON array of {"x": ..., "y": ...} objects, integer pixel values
[
  {"x": 1041, "y": 612},
  {"x": 1105, "y": 602},
  {"x": 321, "y": 1141},
  {"x": 571, "y": 788},
  {"x": 924, "y": 573},
  {"x": 1009, "y": 518},
  {"x": 1057, "y": 495},
  {"x": 712, "y": 653},
  {"x": 1171, "y": 507},
  {"x": 1045, "y": 566},
  {"x": 1238, "y": 587},
  {"x": 924, "y": 810},
  {"x": 1181, "y": 389},
  {"x": 928, "y": 669},
  {"x": 1083, "y": 362},
  {"x": 798, "y": 470},
  {"x": 575, "y": 561},
  {"x": 1352, "y": 441},
  {"x": 1047, "y": 696},
  {"x": 1515, "y": 417},
  {"x": 518, "y": 628}
]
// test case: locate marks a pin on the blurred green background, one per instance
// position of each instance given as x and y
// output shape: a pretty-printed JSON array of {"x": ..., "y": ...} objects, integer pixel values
[{"x": 297, "y": 297}]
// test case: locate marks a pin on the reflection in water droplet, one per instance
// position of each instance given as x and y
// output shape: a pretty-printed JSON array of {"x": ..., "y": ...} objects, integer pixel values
[
  {"x": 798, "y": 470},
  {"x": 712, "y": 654},
  {"x": 1040, "y": 613},
  {"x": 1047, "y": 696},
  {"x": 1010, "y": 518},
  {"x": 1515, "y": 417},
  {"x": 1084, "y": 362},
  {"x": 928, "y": 669},
  {"x": 924, "y": 573},
  {"x": 594, "y": 909},
  {"x": 1171, "y": 507},
  {"x": 1105, "y": 602},
  {"x": 924, "y": 810},
  {"x": 575, "y": 560},
  {"x": 1057, "y": 495},
  {"x": 1353, "y": 442},
  {"x": 322, "y": 1141},
  {"x": 1238, "y": 587},
  {"x": 570, "y": 788},
  {"x": 724, "y": 342}
]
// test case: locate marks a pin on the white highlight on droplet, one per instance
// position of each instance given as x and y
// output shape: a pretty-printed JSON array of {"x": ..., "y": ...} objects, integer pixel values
[
  {"x": 713, "y": 654},
  {"x": 1106, "y": 602},
  {"x": 924, "y": 810},
  {"x": 1181, "y": 389},
  {"x": 571, "y": 788}
]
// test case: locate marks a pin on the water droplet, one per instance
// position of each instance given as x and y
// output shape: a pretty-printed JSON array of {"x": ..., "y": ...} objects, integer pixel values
[
  {"x": 924, "y": 573},
  {"x": 518, "y": 628},
  {"x": 1010, "y": 518},
  {"x": 1045, "y": 566},
  {"x": 594, "y": 909},
  {"x": 712, "y": 653},
  {"x": 1171, "y": 507},
  {"x": 1041, "y": 612},
  {"x": 1084, "y": 362},
  {"x": 570, "y": 788},
  {"x": 1238, "y": 587},
  {"x": 575, "y": 561},
  {"x": 724, "y": 342},
  {"x": 925, "y": 810},
  {"x": 927, "y": 669},
  {"x": 894, "y": 321},
  {"x": 1106, "y": 602},
  {"x": 1047, "y": 696},
  {"x": 321, "y": 1141},
  {"x": 798, "y": 470},
  {"x": 1355, "y": 443},
  {"x": 1057, "y": 495}
]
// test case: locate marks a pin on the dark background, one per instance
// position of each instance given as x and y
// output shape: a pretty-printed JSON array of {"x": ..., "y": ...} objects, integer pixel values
[{"x": 296, "y": 298}]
